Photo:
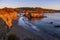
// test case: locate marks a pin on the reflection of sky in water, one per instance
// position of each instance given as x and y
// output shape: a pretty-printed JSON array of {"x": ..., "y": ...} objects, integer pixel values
[
  {"x": 42, "y": 24},
  {"x": 25, "y": 23},
  {"x": 55, "y": 17}
]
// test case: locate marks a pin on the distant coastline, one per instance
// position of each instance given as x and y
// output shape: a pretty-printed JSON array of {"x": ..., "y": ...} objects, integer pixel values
[
  {"x": 36, "y": 9},
  {"x": 33, "y": 10}
]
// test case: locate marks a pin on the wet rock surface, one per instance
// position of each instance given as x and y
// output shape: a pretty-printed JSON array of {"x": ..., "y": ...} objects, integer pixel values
[
  {"x": 17, "y": 32},
  {"x": 22, "y": 33},
  {"x": 3, "y": 30}
]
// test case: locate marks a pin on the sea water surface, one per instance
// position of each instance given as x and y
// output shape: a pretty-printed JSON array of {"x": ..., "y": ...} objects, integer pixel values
[{"x": 42, "y": 26}]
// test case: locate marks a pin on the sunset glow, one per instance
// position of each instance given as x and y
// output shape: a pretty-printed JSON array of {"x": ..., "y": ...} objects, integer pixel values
[{"x": 50, "y": 4}]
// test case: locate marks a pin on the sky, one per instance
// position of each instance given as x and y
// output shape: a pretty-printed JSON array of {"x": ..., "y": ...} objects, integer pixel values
[{"x": 50, "y": 4}]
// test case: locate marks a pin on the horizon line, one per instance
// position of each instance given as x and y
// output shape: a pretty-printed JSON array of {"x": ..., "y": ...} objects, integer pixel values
[{"x": 29, "y": 7}]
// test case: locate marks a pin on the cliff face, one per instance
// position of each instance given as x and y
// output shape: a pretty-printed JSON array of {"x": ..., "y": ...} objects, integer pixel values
[
  {"x": 8, "y": 15},
  {"x": 34, "y": 15}
]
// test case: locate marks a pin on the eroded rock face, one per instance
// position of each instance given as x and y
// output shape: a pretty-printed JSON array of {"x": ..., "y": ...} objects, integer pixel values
[
  {"x": 8, "y": 15},
  {"x": 34, "y": 15},
  {"x": 3, "y": 29}
]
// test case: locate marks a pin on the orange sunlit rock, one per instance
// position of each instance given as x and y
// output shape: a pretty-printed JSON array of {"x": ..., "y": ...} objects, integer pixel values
[
  {"x": 8, "y": 15},
  {"x": 36, "y": 15},
  {"x": 34, "y": 19},
  {"x": 32, "y": 14}
]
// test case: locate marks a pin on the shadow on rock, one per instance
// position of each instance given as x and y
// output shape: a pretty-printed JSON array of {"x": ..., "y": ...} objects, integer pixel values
[{"x": 13, "y": 37}]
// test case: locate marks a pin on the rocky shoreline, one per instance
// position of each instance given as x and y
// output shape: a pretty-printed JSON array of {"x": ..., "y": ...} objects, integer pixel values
[
  {"x": 22, "y": 34},
  {"x": 17, "y": 32}
]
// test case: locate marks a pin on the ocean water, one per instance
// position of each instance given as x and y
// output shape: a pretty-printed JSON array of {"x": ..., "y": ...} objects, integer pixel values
[
  {"x": 51, "y": 17},
  {"x": 42, "y": 26},
  {"x": 46, "y": 27}
]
